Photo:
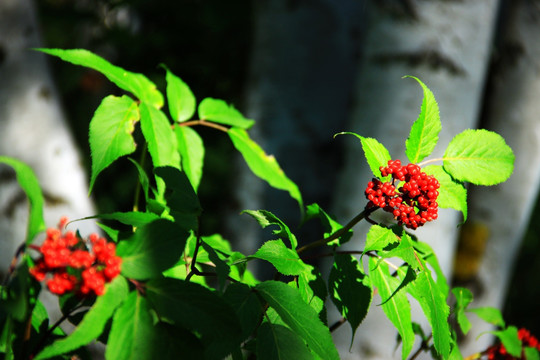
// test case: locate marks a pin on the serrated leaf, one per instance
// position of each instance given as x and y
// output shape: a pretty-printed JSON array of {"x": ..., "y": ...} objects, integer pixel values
[
  {"x": 179, "y": 97},
  {"x": 219, "y": 111},
  {"x": 266, "y": 218},
  {"x": 285, "y": 260},
  {"x": 489, "y": 314},
  {"x": 425, "y": 130},
  {"x": 510, "y": 340},
  {"x": 480, "y": 157},
  {"x": 93, "y": 322},
  {"x": 159, "y": 136},
  {"x": 463, "y": 299},
  {"x": 111, "y": 132},
  {"x": 191, "y": 150},
  {"x": 375, "y": 152},
  {"x": 429, "y": 256},
  {"x": 299, "y": 316},
  {"x": 137, "y": 84},
  {"x": 143, "y": 257},
  {"x": 379, "y": 237},
  {"x": 329, "y": 224},
  {"x": 405, "y": 251},
  {"x": 312, "y": 288},
  {"x": 452, "y": 193},
  {"x": 247, "y": 306},
  {"x": 30, "y": 185},
  {"x": 349, "y": 291},
  {"x": 397, "y": 307},
  {"x": 264, "y": 166},
  {"x": 198, "y": 309},
  {"x": 277, "y": 342}
]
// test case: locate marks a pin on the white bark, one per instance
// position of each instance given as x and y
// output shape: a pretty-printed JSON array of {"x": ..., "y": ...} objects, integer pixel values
[
  {"x": 505, "y": 210},
  {"x": 446, "y": 44}
]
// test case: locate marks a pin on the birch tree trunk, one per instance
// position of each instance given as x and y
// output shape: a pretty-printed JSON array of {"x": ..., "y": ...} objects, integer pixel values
[
  {"x": 447, "y": 45},
  {"x": 500, "y": 215}
]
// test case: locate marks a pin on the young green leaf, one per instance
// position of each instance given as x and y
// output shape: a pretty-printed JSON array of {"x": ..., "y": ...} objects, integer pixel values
[
  {"x": 179, "y": 97},
  {"x": 396, "y": 305},
  {"x": 425, "y": 130},
  {"x": 463, "y": 299},
  {"x": 93, "y": 322},
  {"x": 247, "y": 306},
  {"x": 489, "y": 314},
  {"x": 510, "y": 340},
  {"x": 375, "y": 152},
  {"x": 452, "y": 193},
  {"x": 30, "y": 185},
  {"x": 285, "y": 260},
  {"x": 264, "y": 166},
  {"x": 191, "y": 150},
  {"x": 143, "y": 257},
  {"x": 266, "y": 218},
  {"x": 299, "y": 316},
  {"x": 218, "y": 111},
  {"x": 111, "y": 132},
  {"x": 277, "y": 342},
  {"x": 379, "y": 237},
  {"x": 137, "y": 84},
  {"x": 480, "y": 157},
  {"x": 349, "y": 290}
]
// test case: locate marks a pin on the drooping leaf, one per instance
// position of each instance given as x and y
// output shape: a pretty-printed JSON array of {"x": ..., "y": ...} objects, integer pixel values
[
  {"x": 179, "y": 97},
  {"x": 379, "y": 237},
  {"x": 277, "y": 342},
  {"x": 160, "y": 137},
  {"x": 510, "y": 339},
  {"x": 299, "y": 316},
  {"x": 137, "y": 84},
  {"x": 329, "y": 224},
  {"x": 425, "y": 130},
  {"x": 396, "y": 307},
  {"x": 191, "y": 150},
  {"x": 153, "y": 248},
  {"x": 30, "y": 185},
  {"x": 94, "y": 321},
  {"x": 452, "y": 193},
  {"x": 350, "y": 290},
  {"x": 266, "y": 218},
  {"x": 489, "y": 314},
  {"x": 247, "y": 306},
  {"x": 376, "y": 154},
  {"x": 219, "y": 111},
  {"x": 285, "y": 260},
  {"x": 480, "y": 157},
  {"x": 198, "y": 309},
  {"x": 463, "y": 299},
  {"x": 111, "y": 132},
  {"x": 264, "y": 166}
]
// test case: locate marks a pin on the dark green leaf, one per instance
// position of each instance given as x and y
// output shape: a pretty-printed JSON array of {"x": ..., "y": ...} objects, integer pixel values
[
  {"x": 143, "y": 179},
  {"x": 330, "y": 226},
  {"x": 277, "y": 342},
  {"x": 312, "y": 288},
  {"x": 285, "y": 260},
  {"x": 531, "y": 353},
  {"x": 247, "y": 306},
  {"x": 180, "y": 98},
  {"x": 266, "y": 218},
  {"x": 191, "y": 150},
  {"x": 222, "y": 268},
  {"x": 218, "y": 111}
]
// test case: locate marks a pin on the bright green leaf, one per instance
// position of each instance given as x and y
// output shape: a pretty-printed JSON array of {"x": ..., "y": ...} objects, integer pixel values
[
  {"x": 510, "y": 339},
  {"x": 428, "y": 255},
  {"x": 191, "y": 150},
  {"x": 219, "y": 111},
  {"x": 379, "y": 237},
  {"x": 277, "y": 342},
  {"x": 264, "y": 166},
  {"x": 133, "y": 218},
  {"x": 143, "y": 178},
  {"x": 531, "y": 353},
  {"x": 463, "y": 299},
  {"x": 425, "y": 130},
  {"x": 480, "y": 157},
  {"x": 489, "y": 314},
  {"x": 285, "y": 260},
  {"x": 266, "y": 218},
  {"x": 375, "y": 152},
  {"x": 452, "y": 193},
  {"x": 299, "y": 316},
  {"x": 405, "y": 251},
  {"x": 180, "y": 98}
]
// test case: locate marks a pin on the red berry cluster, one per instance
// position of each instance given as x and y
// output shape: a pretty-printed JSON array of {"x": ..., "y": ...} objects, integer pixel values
[
  {"x": 72, "y": 267},
  {"x": 414, "y": 203},
  {"x": 498, "y": 352}
]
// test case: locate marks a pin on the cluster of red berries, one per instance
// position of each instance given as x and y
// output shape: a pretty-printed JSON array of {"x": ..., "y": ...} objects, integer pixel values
[
  {"x": 72, "y": 267},
  {"x": 498, "y": 352},
  {"x": 414, "y": 203}
]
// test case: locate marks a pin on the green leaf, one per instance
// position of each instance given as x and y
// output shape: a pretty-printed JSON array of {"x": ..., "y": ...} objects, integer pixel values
[
  {"x": 430, "y": 257},
  {"x": 219, "y": 112},
  {"x": 180, "y": 98},
  {"x": 312, "y": 288},
  {"x": 425, "y": 130},
  {"x": 198, "y": 309},
  {"x": 433, "y": 303},
  {"x": 452, "y": 193},
  {"x": 375, "y": 152},
  {"x": 111, "y": 132},
  {"x": 480, "y": 157},
  {"x": 153, "y": 248},
  {"x": 489, "y": 314},
  {"x": 94, "y": 321},
  {"x": 349, "y": 291},
  {"x": 277, "y": 342},
  {"x": 531, "y": 353},
  {"x": 143, "y": 178},
  {"x": 222, "y": 268},
  {"x": 299, "y": 316},
  {"x": 379, "y": 237},
  {"x": 405, "y": 251},
  {"x": 510, "y": 339},
  {"x": 160, "y": 137},
  {"x": 264, "y": 166},
  {"x": 137, "y": 84},
  {"x": 30, "y": 185},
  {"x": 266, "y": 218},
  {"x": 329, "y": 224},
  {"x": 463, "y": 299},
  {"x": 191, "y": 150},
  {"x": 132, "y": 218},
  {"x": 285, "y": 260},
  {"x": 247, "y": 306},
  {"x": 397, "y": 307}
]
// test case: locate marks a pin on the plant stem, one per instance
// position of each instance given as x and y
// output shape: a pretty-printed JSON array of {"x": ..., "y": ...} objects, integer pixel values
[
  {"x": 204, "y": 123},
  {"x": 430, "y": 161}
]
